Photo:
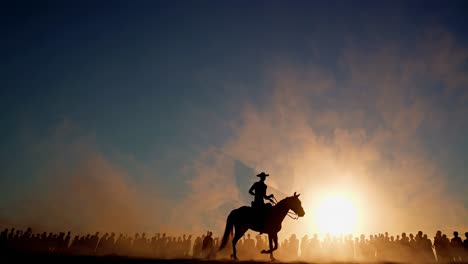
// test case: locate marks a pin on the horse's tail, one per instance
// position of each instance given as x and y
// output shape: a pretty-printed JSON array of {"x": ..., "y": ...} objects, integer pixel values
[{"x": 227, "y": 231}]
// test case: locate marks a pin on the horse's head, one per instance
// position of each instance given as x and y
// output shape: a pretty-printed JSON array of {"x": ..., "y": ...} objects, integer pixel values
[{"x": 295, "y": 205}]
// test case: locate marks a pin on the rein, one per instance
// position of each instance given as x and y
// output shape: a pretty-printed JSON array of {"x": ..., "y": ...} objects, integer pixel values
[
  {"x": 293, "y": 215},
  {"x": 274, "y": 200}
]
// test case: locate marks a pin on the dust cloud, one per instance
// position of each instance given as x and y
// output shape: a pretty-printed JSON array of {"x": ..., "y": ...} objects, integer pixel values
[{"x": 358, "y": 132}]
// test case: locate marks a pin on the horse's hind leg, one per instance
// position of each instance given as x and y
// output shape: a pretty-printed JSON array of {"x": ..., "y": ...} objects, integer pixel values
[
  {"x": 240, "y": 230},
  {"x": 270, "y": 243}
]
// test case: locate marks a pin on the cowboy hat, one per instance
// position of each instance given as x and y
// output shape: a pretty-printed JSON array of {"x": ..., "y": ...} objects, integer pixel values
[{"x": 263, "y": 174}]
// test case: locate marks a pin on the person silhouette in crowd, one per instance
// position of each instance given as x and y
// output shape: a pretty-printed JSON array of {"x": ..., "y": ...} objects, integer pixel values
[
  {"x": 456, "y": 246},
  {"x": 93, "y": 242},
  {"x": 304, "y": 246},
  {"x": 438, "y": 245},
  {"x": 3, "y": 240},
  {"x": 259, "y": 243},
  {"x": 188, "y": 244},
  {"x": 293, "y": 246},
  {"x": 404, "y": 240},
  {"x": 446, "y": 247},
  {"x": 207, "y": 246},
  {"x": 465, "y": 248},
  {"x": 66, "y": 242},
  {"x": 249, "y": 245}
]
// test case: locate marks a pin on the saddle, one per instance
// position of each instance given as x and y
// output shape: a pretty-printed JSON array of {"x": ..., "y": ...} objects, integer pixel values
[{"x": 259, "y": 213}]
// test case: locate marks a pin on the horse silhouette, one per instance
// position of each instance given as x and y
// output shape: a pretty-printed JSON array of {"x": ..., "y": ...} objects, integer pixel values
[{"x": 265, "y": 220}]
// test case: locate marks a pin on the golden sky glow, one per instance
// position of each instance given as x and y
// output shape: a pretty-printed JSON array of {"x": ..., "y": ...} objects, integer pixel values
[{"x": 336, "y": 215}]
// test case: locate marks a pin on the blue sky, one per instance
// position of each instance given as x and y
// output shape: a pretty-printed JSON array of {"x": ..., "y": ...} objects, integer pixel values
[{"x": 154, "y": 87}]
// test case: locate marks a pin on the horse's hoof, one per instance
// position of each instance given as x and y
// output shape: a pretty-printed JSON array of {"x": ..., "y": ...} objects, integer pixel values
[{"x": 272, "y": 259}]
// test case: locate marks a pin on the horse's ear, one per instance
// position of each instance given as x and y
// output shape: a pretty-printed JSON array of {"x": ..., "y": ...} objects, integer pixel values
[
  {"x": 298, "y": 195},
  {"x": 295, "y": 194}
]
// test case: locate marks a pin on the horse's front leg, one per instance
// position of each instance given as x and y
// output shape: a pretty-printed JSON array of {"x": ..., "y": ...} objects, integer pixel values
[{"x": 273, "y": 237}]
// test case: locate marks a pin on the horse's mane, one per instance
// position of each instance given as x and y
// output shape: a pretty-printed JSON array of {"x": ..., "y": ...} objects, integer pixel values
[{"x": 284, "y": 200}]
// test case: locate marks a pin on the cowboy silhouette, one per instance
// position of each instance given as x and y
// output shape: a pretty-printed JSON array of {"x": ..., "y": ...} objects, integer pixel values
[{"x": 258, "y": 189}]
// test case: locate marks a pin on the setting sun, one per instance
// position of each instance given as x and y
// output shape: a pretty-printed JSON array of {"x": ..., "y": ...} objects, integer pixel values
[{"x": 336, "y": 215}]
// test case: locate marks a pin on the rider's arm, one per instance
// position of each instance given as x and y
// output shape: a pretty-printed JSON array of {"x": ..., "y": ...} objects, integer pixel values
[{"x": 252, "y": 189}]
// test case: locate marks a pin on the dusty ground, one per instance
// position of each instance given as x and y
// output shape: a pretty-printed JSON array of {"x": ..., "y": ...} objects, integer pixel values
[
  {"x": 120, "y": 260},
  {"x": 49, "y": 259}
]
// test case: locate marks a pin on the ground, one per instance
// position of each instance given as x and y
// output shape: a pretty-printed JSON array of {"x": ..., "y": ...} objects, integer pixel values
[{"x": 120, "y": 260}]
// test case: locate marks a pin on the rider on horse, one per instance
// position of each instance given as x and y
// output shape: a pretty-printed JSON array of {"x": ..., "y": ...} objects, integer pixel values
[
  {"x": 258, "y": 189},
  {"x": 260, "y": 217}
]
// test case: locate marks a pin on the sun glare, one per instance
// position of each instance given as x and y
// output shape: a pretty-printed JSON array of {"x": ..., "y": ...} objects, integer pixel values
[{"x": 336, "y": 215}]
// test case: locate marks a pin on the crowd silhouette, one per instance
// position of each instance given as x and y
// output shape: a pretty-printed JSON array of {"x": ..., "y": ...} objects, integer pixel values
[{"x": 379, "y": 247}]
